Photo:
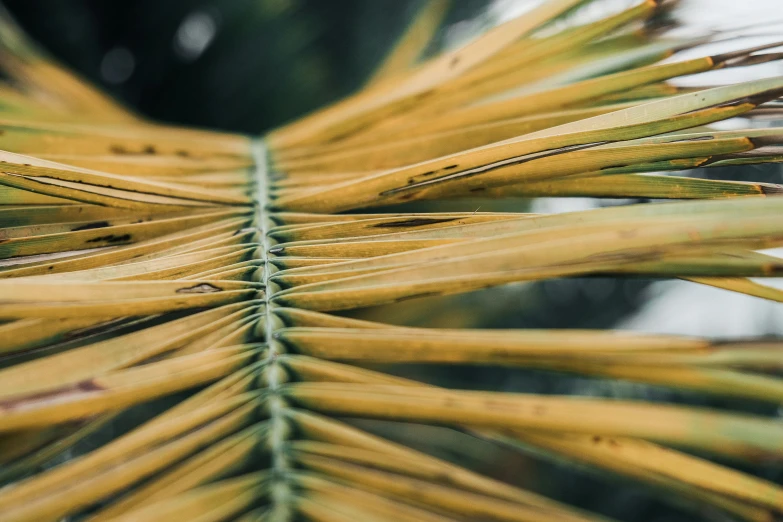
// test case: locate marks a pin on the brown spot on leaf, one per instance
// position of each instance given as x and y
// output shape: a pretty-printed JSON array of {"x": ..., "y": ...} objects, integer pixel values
[
  {"x": 413, "y": 222},
  {"x": 202, "y": 288},
  {"x": 416, "y": 296},
  {"x": 74, "y": 390},
  {"x": 110, "y": 239},
  {"x": 616, "y": 166},
  {"x": 771, "y": 190},
  {"x": 700, "y": 138},
  {"x": 89, "y": 226},
  {"x": 89, "y": 385}
]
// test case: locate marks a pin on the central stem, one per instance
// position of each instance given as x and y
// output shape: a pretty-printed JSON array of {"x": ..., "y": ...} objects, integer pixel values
[{"x": 273, "y": 374}]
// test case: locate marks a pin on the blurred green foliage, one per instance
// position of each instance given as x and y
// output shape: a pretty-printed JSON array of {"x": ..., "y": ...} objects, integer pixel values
[{"x": 267, "y": 61}]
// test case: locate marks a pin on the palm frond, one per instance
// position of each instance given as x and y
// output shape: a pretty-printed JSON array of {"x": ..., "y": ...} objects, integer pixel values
[{"x": 196, "y": 273}]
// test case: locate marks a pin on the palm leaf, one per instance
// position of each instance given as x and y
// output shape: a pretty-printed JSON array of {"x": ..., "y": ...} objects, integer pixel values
[{"x": 195, "y": 273}]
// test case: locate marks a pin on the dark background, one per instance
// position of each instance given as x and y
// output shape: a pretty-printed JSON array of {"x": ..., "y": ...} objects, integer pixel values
[{"x": 269, "y": 62}]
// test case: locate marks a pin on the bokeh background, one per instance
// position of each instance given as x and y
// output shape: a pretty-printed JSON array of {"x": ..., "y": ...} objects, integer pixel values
[{"x": 251, "y": 65}]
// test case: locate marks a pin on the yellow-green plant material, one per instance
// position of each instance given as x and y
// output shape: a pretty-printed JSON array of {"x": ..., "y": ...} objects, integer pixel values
[{"x": 142, "y": 261}]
